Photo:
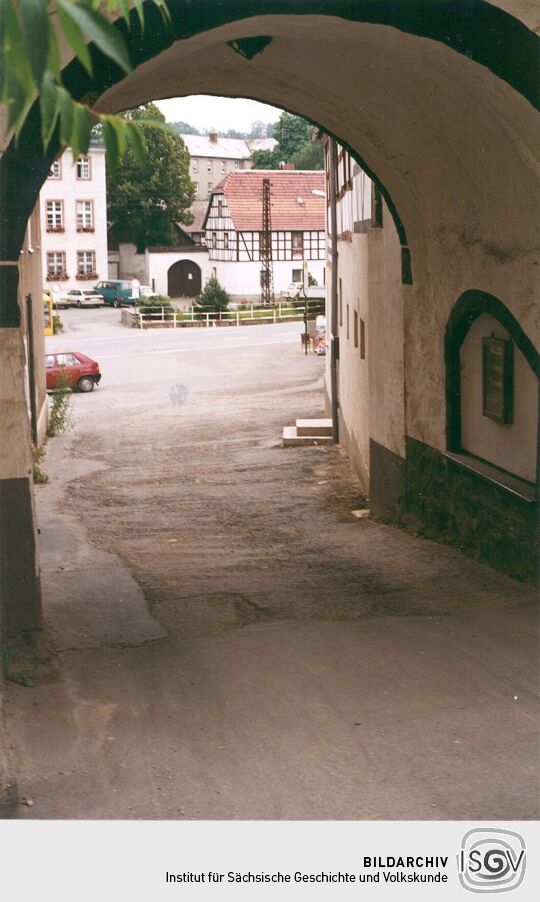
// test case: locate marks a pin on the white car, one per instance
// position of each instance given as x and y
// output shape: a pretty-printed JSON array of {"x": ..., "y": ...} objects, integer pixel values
[
  {"x": 85, "y": 297},
  {"x": 146, "y": 292},
  {"x": 294, "y": 290}
]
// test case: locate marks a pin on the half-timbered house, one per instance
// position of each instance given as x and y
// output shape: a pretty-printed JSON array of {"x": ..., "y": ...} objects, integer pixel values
[{"x": 234, "y": 236}]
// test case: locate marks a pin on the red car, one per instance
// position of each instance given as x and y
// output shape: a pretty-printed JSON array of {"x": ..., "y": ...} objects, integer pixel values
[{"x": 73, "y": 369}]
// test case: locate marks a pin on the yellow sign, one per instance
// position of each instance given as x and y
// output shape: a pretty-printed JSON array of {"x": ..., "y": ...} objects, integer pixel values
[{"x": 48, "y": 315}]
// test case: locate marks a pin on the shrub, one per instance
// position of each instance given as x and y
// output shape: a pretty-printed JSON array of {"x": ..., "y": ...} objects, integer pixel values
[
  {"x": 60, "y": 412},
  {"x": 159, "y": 300},
  {"x": 213, "y": 296}
]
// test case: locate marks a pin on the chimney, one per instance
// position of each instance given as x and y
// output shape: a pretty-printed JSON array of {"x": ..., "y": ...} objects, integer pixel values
[{"x": 213, "y": 137}]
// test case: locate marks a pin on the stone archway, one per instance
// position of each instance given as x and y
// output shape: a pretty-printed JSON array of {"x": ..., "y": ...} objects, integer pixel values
[
  {"x": 184, "y": 279},
  {"x": 445, "y": 122}
]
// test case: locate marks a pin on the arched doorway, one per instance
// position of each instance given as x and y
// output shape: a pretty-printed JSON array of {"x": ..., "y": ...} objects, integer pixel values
[{"x": 184, "y": 279}]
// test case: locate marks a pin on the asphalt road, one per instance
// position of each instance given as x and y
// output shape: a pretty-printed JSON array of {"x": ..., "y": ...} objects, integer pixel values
[{"x": 226, "y": 639}]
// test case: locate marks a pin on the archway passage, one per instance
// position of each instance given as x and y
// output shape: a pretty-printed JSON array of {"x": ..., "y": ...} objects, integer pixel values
[
  {"x": 445, "y": 120},
  {"x": 447, "y": 105},
  {"x": 184, "y": 279}
]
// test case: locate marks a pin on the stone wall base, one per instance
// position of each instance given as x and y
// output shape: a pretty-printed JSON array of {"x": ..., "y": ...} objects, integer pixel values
[
  {"x": 484, "y": 520},
  {"x": 433, "y": 495},
  {"x": 20, "y": 593},
  {"x": 388, "y": 483}
]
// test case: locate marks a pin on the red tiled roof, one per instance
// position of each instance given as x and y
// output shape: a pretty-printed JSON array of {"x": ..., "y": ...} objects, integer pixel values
[{"x": 293, "y": 204}]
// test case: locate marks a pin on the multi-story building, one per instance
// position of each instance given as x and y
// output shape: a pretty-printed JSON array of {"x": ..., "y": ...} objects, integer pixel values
[
  {"x": 213, "y": 157},
  {"x": 74, "y": 220}
]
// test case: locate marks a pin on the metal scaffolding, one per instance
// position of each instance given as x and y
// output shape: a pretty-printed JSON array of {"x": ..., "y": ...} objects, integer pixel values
[{"x": 267, "y": 275}]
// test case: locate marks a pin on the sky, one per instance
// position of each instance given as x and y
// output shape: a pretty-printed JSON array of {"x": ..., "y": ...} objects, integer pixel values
[{"x": 220, "y": 113}]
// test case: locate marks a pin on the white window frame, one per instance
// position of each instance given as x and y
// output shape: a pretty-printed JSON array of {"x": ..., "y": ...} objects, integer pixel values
[
  {"x": 84, "y": 168},
  {"x": 86, "y": 262},
  {"x": 54, "y": 212},
  {"x": 55, "y": 171},
  {"x": 209, "y": 165},
  {"x": 56, "y": 264},
  {"x": 297, "y": 252},
  {"x": 85, "y": 215}
]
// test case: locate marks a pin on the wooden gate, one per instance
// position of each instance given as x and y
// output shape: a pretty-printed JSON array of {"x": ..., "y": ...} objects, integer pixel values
[{"x": 184, "y": 279}]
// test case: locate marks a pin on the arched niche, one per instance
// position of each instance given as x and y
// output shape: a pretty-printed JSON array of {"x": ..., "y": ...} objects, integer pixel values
[{"x": 492, "y": 371}]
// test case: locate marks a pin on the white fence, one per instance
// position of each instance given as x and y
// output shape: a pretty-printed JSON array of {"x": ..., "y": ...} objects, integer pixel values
[{"x": 170, "y": 317}]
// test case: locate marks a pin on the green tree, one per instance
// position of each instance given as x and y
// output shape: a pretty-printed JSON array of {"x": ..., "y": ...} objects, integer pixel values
[
  {"x": 293, "y": 134},
  {"x": 146, "y": 197},
  {"x": 184, "y": 128},
  {"x": 266, "y": 159},
  {"x": 310, "y": 156},
  {"x": 214, "y": 296}
]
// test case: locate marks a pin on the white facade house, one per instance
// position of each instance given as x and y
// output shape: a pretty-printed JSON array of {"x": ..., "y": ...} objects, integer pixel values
[
  {"x": 73, "y": 204},
  {"x": 213, "y": 157},
  {"x": 234, "y": 222}
]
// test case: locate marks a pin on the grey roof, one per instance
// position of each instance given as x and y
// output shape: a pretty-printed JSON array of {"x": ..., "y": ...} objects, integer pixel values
[
  {"x": 225, "y": 148},
  {"x": 198, "y": 208}
]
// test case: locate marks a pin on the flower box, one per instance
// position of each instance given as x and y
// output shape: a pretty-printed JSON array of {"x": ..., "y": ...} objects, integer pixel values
[
  {"x": 57, "y": 277},
  {"x": 86, "y": 229},
  {"x": 51, "y": 228},
  {"x": 87, "y": 276}
]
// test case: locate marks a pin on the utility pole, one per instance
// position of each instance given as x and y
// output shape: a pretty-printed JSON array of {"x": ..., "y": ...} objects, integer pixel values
[{"x": 267, "y": 275}]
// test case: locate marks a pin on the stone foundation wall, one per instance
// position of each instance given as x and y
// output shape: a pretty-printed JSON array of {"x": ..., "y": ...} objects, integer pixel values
[{"x": 486, "y": 521}]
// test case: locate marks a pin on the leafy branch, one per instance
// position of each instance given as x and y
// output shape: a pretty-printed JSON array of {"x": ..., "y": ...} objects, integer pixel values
[{"x": 31, "y": 69}]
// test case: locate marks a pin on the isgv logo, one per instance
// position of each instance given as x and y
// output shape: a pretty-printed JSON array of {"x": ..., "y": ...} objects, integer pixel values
[{"x": 491, "y": 861}]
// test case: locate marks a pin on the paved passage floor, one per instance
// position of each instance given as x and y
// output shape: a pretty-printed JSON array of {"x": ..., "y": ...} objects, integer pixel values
[{"x": 226, "y": 639}]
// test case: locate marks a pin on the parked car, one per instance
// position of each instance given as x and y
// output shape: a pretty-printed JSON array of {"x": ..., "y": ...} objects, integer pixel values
[
  {"x": 146, "y": 292},
  {"x": 294, "y": 290},
  {"x": 59, "y": 298},
  {"x": 73, "y": 369},
  {"x": 85, "y": 297},
  {"x": 299, "y": 290},
  {"x": 118, "y": 292}
]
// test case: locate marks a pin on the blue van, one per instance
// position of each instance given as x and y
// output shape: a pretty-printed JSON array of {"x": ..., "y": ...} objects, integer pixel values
[{"x": 118, "y": 292}]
